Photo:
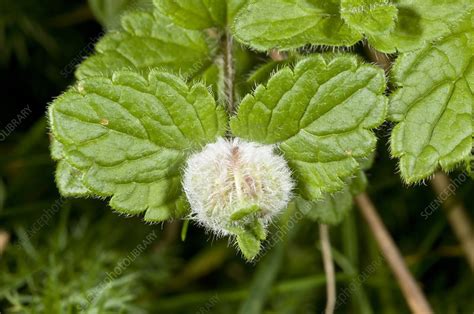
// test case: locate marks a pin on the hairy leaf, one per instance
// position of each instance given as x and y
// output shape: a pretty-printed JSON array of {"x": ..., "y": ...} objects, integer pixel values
[
  {"x": 233, "y": 7},
  {"x": 129, "y": 135},
  {"x": 419, "y": 22},
  {"x": 283, "y": 24},
  {"x": 434, "y": 105},
  {"x": 320, "y": 114},
  {"x": 331, "y": 209},
  {"x": 57, "y": 149},
  {"x": 68, "y": 178},
  {"x": 200, "y": 14},
  {"x": 369, "y": 16},
  {"x": 358, "y": 185},
  {"x": 194, "y": 14},
  {"x": 389, "y": 26},
  {"x": 249, "y": 239},
  {"x": 148, "y": 40},
  {"x": 108, "y": 12},
  {"x": 261, "y": 74}
]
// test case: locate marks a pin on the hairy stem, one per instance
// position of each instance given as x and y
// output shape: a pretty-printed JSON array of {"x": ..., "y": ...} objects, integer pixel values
[
  {"x": 410, "y": 289},
  {"x": 457, "y": 215},
  {"x": 229, "y": 73},
  {"x": 328, "y": 269}
]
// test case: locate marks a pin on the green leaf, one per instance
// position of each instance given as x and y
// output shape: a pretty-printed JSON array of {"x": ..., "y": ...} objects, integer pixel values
[
  {"x": 331, "y": 210},
  {"x": 108, "y": 12},
  {"x": 390, "y": 26},
  {"x": 244, "y": 212},
  {"x": 283, "y": 24},
  {"x": 184, "y": 229},
  {"x": 264, "y": 72},
  {"x": 420, "y": 22},
  {"x": 358, "y": 184},
  {"x": 264, "y": 279},
  {"x": 148, "y": 40},
  {"x": 249, "y": 237},
  {"x": 201, "y": 14},
  {"x": 369, "y": 16},
  {"x": 57, "y": 149},
  {"x": 320, "y": 114},
  {"x": 69, "y": 180},
  {"x": 130, "y": 134},
  {"x": 194, "y": 14},
  {"x": 233, "y": 7},
  {"x": 212, "y": 77},
  {"x": 433, "y": 106},
  {"x": 249, "y": 244}
]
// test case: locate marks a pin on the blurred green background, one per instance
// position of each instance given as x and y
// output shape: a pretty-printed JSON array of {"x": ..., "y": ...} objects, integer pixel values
[{"x": 69, "y": 256}]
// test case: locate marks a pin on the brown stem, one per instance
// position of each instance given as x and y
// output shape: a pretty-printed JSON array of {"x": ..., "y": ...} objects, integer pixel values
[
  {"x": 80, "y": 15},
  {"x": 381, "y": 59},
  {"x": 410, "y": 289},
  {"x": 227, "y": 47},
  {"x": 4, "y": 240},
  {"x": 275, "y": 55},
  {"x": 328, "y": 269},
  {"x": 170, "y": 235},
  {"x": 457, "y": 215}
]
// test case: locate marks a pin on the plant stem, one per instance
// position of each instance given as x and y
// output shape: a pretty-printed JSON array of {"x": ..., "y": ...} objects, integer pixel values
[
  {"x": 229, "y": 74},
  {"x": 381, "y": 59},
  {"x": 410, "y": 289},
  {"x": 4, "y": 240},
  {"x": 328, "y": 268},
  {"x": 275, "y": 55},
  {"x": 80, "y": 15},
  {"x": 170, "y": 234},
  {"x": 456, "y": 212},
  {"x": 413, "y": 294},
  {"x": 457, "y": 215}
]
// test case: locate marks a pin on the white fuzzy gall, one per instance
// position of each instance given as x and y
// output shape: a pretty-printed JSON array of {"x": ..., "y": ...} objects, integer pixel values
[{"x": 233, "y": 175}]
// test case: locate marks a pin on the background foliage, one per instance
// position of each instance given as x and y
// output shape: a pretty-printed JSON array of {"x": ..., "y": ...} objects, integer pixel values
[{"x": 60, "y": 252}]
